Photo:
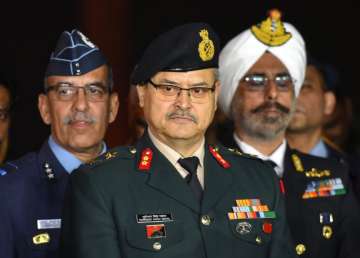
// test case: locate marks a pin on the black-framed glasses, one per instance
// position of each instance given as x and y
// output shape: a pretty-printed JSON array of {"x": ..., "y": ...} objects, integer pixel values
[
  {"x": 170, "y": 92},
  {"x": 258, "y": 81},
  {"x": 68, "y": 91}
]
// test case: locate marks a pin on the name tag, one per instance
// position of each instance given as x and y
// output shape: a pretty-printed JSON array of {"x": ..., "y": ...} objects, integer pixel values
[
  {"x": 48, "y": 223},
  {"x": 148, "y": 218}
]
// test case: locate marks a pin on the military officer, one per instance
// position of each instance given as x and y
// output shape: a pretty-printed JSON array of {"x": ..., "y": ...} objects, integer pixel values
[
  {"x": 78, "y": 104},
  {"x": 261, "y": 71},
  {"x": 173, "y": 195}
]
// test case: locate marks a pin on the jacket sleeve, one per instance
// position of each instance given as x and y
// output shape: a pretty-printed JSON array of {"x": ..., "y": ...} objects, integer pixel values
[
  {"x": 349, "y": 224},
  {"x": 88, "y": 229},
  {"x": 6, "y": 231},
  {"x": 282, "y": 244}
]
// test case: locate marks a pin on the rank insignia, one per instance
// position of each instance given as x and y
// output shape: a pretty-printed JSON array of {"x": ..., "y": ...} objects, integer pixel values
[
  {"x": 317, "y": 173},
  {"x": 43, "y": 238},
  {"x": 324, "y": 188},
  {"x": 243, "y": 228},
  {"x": 155, "y": 231},
  {"x": 327, "y": 232},
  {"x": 271, "y": 32},
  {"x": 326, "y": 218},
  {"x": 206, "y": 46},
  {"x": 48, "y": 171},
  {"x": 250, "y": 209},
  {"x": 145, "y": 160},
  {"x": 218, "y": 157},
  {"x": 297, "y": 163},
  {"x": 110, "y": 155}
]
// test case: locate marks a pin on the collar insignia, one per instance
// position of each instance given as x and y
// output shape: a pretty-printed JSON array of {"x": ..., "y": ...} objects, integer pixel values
[
  {"x": 206, "y": 46},
  {"x": 297, "y": 163},
  {"x": 271, "y": 32},
  {"x": 145, "y": 160},
  {"x": 218, "y": 157}
]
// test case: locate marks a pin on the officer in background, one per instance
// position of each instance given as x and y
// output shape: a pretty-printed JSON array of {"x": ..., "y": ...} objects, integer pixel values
[
  {"x": 6, "y": 101},
  {"x": 315, "y": 103},
  {"x": 78, "y": 104},
  {"x": 173, "y": 195},
  {"x": 261, "y": 71}
]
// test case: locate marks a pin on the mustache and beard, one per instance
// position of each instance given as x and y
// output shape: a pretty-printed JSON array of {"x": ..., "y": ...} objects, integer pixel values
[
  {"x": 266, "y": 121},
  {"x": 79, "y": 116}
]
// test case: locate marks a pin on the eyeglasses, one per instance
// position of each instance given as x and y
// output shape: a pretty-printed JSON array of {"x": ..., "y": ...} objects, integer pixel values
[
  {"x": 169, "y": 92},
  {"x": 68, "y": 92},
  {"x": 257, "y": 82},
  {"x": 4, "y": 114}
]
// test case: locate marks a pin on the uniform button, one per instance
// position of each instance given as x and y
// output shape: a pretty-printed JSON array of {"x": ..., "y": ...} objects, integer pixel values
[
  {"x": 206, "y": 220},
  {"x": 258, "y": 240},
  {"x": 300, "y": 249},
  {"x": 157, "y": 246}
]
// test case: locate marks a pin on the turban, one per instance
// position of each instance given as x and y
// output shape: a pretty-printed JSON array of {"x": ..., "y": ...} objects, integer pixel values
[{"x": 242, "y": 52}]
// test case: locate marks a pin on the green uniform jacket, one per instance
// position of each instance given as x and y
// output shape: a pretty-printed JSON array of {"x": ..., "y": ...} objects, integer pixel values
[{"x": 117, "y": 207}]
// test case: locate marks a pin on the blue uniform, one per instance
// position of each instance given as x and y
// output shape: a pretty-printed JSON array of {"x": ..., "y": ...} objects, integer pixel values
[{"x": 31, "y": 200}]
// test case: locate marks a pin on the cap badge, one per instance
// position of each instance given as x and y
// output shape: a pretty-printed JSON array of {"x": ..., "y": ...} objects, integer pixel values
[
  {"x": 86, "y": 40},
  {"x": 206, "y": 46},
  {"x": 271, "y": 32}
]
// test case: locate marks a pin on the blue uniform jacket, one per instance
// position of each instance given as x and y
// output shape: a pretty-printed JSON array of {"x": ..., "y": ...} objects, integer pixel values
[{"x": 30, "y": 205}]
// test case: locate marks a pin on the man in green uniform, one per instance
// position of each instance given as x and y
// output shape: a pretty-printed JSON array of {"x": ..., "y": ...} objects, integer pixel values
[{"x": 173, "y": 195}]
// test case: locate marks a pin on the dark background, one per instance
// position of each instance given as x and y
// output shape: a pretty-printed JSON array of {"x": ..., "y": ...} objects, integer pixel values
[{"x": 123, "y": 28}]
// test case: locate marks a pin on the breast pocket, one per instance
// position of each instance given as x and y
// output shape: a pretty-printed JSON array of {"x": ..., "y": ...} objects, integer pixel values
[
  {"x": 154, "y": 237},
  {"x": 254, "y": 231}
]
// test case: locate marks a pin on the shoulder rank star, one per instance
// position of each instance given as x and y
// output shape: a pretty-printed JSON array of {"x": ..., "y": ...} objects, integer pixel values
[
  {"x": 219, "y": 158},
  {"x": 48, "y": 171},
  {"x": 145, "y": 159}
]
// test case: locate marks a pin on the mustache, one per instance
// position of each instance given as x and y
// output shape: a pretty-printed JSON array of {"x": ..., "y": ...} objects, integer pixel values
[
  {"x": 181, "y": 114},
  {"x": 268, "y": 105},
  {"x": 79, "y": 116}
]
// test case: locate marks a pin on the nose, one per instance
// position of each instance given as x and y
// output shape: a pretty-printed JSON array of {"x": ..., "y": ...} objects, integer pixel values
[
  {"x": 271, "y": 90},
  {"x": 183, "y": 99},
  {"x": 80, "y": 102}
]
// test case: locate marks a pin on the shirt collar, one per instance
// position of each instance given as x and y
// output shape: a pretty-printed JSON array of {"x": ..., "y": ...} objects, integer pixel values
[
  {"x": 319, "y": 150},
  {"x": 278, "y": 156},
  {"x": 68, "y": 160},
  {"x": 172, "y": 155}
]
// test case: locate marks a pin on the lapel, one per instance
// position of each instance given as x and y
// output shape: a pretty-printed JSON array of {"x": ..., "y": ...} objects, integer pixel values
[
  {"x": 46, "y": 155},
  {"x": 217, "y": 181},
  {"x": 164, "y": 177},
  {"x": 294, "y": 180}
]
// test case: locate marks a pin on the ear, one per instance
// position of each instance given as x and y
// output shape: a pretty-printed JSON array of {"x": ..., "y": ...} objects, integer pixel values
[
  {"x": 330, "y": 102},
  {"x": 44, "y": 108},
  {"x": 141, "y": 91},
  {"x": 114, "y": 106}
]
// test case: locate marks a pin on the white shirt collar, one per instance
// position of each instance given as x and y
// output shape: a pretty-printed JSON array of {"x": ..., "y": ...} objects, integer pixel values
[{"x": 278, "y": 156}]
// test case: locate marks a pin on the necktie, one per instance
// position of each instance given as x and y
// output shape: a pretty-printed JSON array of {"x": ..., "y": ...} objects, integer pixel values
[{"x": 191, "y": 164}]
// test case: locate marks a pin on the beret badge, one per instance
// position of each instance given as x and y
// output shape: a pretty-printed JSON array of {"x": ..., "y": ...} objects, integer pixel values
[
  {"x": 271, "y": 32},
  {"x": 206, "y": 46}
]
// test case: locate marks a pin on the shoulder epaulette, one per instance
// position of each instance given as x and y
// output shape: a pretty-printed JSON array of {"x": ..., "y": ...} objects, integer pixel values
[
  {"x": 119, "y": 152},
  {"x": 7, "y": 168}
]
